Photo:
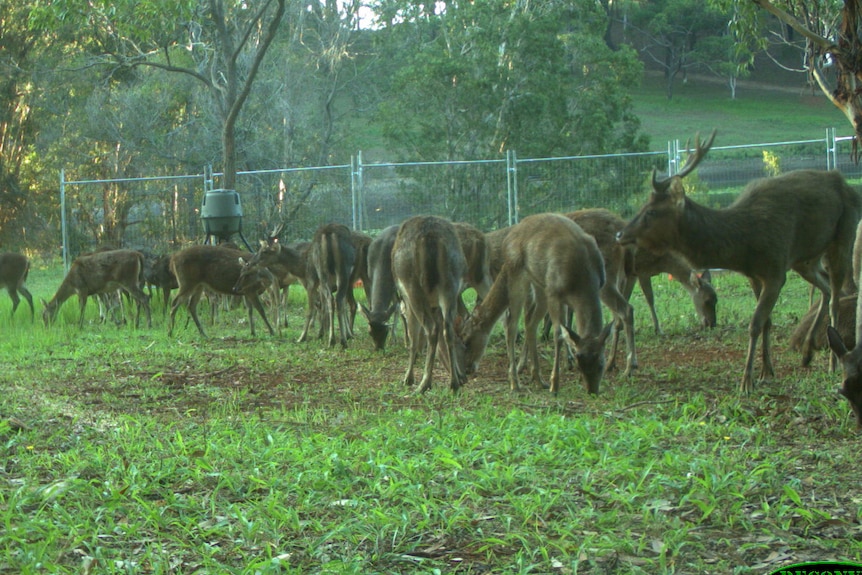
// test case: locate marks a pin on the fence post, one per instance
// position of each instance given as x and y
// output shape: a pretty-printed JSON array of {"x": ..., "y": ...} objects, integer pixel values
[
  {"x": 512, "y": 186},
  {"x": 356, "y": 188},
  {"x": 64, "y": 232},
  {"x": 831, "y": 150}
]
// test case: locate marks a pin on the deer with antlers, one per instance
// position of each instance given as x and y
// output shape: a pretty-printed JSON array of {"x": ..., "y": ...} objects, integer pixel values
[{"x": 777, "y": 224}]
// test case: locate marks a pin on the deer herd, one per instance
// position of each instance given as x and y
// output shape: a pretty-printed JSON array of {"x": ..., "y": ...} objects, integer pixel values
[{"x": 556, "y": 268}]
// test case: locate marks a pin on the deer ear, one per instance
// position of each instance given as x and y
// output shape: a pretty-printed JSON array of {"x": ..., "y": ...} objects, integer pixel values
[
  {"x": 241, "y": 261},
  {"x": 706, "y": 276}
]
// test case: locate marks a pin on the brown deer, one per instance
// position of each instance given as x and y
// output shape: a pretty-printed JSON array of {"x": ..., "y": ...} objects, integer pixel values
[
  {"x": 157, "y": 273},
  {"x": 698, "y": 286},
  {"x": 383, "y": 295},
  {"x": 775, "y": 225},
  {"x": 216, "y": 268},
  {"x": 551, "y": 256},
  {"x": 429, "y": 266},
  {"x": 14, "y": 269},
  {"x": 333, "y": 255},
  {"x": 100, "y": 273},
  {"x": 478, "y": 256},
  {"x": 603, "y": 225},
  {"x": 846, "y": 326}
]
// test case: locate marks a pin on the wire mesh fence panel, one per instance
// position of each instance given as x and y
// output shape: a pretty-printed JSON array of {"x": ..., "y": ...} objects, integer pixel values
[
  {"x": 472, "y": 192},
  {"x": 728, "y": 169},
  {"x": 153, "y": 214},
  {"x": 302, "y": 199},
  {"x": 160, "y": 214},
  {"x": 574, "y": 183}
]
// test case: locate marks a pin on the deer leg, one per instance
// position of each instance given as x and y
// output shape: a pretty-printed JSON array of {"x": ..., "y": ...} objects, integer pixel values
[
  {"x": 82, "y": 306},
  {"x": 456, "y": 370},
  {"x": 412, "y": 326},
  {"x": 13, "y": 293},
  {"x": 255, "y": 302},
  {"x": 813, "y": 273},
  {"x": 311, "y": 294},
  {"x": 624, "y": 315},
  {"x": 431, "y": 328},
  {"x": 767, "y": 296},
  {"x": 29, "y": 297},
  {"x": 646, "y": 288},
  {"x": 192, "y": 306},
  {"x": 533, "y": 316}
]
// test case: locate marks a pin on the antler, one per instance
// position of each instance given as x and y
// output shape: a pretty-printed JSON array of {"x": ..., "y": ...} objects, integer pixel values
[
  {"x": 694, "y": 158},
  {"x": 276, "y": 231}
]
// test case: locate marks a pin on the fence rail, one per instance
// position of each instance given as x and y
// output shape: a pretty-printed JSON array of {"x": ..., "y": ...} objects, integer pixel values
[{"x": 162, "y": 213}]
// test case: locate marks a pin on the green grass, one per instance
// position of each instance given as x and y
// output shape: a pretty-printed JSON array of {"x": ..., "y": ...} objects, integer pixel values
[
  {"x": 128, "y": 452},
  {"x": 757, "y": 115}
]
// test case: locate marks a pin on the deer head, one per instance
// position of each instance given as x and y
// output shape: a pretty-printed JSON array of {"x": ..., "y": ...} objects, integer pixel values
[{"x": 652, "y": 227}]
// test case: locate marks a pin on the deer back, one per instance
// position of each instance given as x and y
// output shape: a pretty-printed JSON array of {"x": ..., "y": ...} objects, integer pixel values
[
  {"x": 604, "y": 225},
  {"x": 427, "y": 262},
  {"x": 333, "y": 254},
  {"x": 215, "y": 267}
]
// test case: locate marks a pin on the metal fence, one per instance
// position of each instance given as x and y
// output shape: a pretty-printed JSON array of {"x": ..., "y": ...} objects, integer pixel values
[{"x": 163, "y": 213}]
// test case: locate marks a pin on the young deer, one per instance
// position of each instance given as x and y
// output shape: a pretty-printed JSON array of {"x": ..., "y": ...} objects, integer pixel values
[
  {"x": 777, "y": 224},
  {"x": 333, "y": 256},
  {"x": 382, "y": 298},
  {"x": 429, "y": 266},
  {"x": 100, "y": 273},
  {"x": 552, "y": 257},
  {"x": 216, "y": 268},
  {"x": 13, "y": 274}
]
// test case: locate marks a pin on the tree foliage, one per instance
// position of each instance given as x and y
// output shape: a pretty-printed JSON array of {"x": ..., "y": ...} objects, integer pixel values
[
  {"x": 832, "y": 34},
  {"x": 220, "y": 43},
  {"x": 478, "y": 78},
  {"x": 681, "y": 35}
]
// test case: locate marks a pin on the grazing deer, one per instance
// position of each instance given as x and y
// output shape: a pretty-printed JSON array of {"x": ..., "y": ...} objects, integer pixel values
[
  {"x": 603, "y": 225},
  {"x": 776, "y": 224},
  {"x": 216, "y": 268},
  {"x": 100, "y": 273},
  {"x": 429, "y": 267},
  {"x": 698, "y": 286},
  {"x": 846, "y": 326},
  {"x": 14, "y": 269},
  {"x": 552, "y": 257},
  {"x": 478, "y": 256},
  {"x": 382, "y": 298},
  {"x": 333, "y": 255}
]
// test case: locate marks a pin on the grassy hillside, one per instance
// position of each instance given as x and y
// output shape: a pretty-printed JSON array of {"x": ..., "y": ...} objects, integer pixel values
[{"x": 760, "y": 113}]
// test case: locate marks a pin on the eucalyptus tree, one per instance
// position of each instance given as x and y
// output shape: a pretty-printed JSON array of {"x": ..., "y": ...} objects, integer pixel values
[
  {"x": 219, "y": 43},
  {"x": 478, "y": 78},
  {"x": 19, "y": 49},
  {"x": 679, "y": 35},
  {"x": 830, "y": 32}
]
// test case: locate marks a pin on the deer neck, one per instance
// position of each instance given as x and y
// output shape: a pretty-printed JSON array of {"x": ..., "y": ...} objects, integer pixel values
[{"x": 486, "y": 314}]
